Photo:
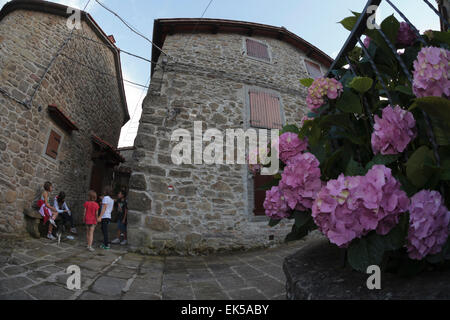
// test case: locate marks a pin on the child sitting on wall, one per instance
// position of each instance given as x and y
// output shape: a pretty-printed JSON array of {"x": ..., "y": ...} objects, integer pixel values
[
  {"x": 46, "y": 210},
  {"x": 122, "y": 210},
  {"x": 62, "y": 208},
  {"x": 90, "y": 217}
]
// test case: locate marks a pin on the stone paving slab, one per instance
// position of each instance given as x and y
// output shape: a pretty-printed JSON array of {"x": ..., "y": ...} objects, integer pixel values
[{"x": 36, "y": 269}]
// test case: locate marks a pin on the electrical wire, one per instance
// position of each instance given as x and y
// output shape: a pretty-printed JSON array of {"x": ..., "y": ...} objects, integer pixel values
[
  {"x": 196, "y": 25},
  {"x": 102, "y": 72},
  {"x": 132, "y": 28},
  {"x": 112, "y": 47}
]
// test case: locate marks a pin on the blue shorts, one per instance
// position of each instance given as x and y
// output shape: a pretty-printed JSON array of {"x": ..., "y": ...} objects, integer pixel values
[{"x": 122, "y": 226}]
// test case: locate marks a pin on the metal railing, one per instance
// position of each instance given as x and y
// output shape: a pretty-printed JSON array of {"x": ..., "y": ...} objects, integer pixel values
[{"x": 359, "y": 29}]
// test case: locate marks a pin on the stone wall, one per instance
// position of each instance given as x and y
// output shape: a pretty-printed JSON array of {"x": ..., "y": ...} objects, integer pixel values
[
  {"x": 210, "y": 207},
  {"x": 28, "y": 41}
]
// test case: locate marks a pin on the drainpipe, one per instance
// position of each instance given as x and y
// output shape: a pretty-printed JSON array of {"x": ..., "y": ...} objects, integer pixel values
[{"x": 444, "y": 9}]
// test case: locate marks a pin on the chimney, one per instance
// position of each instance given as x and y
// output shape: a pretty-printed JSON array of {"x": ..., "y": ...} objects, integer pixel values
[{"x": 111, "y": 38}]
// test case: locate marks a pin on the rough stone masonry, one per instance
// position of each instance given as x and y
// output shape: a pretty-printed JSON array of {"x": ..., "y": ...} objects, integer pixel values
[
  {"x": 207, "y": 78},
  {"x": 30, "y": 34}
]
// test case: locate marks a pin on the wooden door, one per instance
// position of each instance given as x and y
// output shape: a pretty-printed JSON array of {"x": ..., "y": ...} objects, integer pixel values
[{"x": 260, "y": 195}]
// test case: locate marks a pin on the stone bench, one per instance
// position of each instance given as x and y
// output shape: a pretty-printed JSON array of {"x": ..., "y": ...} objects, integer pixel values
[
  {"x": 317, "y": 272},
  {"x": 34, "y": 223}
]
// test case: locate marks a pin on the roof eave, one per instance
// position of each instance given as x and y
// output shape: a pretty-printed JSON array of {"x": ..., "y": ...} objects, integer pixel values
[{"x": 187, "y": 25}]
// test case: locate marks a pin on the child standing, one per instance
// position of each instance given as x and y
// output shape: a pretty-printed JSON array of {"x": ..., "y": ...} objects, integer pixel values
[
  {"x": 105, "y": 215},
  {"x": 46, "y": 210},
  {"x": 90, "y": 218},
  {"x": 122, "y": 210}
]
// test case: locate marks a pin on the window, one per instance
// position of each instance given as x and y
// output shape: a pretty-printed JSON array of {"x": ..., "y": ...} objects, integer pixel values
[
  {"x": 53, "y": 143},
  {"x": 257, "y": 49},
  {"x": 265, "y": 110},
  {"x": 313, "y": 69}
]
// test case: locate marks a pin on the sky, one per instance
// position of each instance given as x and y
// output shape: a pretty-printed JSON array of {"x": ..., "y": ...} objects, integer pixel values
[{"x": 314, "y": 21}]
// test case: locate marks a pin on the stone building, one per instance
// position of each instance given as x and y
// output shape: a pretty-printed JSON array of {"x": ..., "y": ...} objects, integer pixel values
[
  {"x": 229, "y": 75},
  {"x": 68, "y": 133}
]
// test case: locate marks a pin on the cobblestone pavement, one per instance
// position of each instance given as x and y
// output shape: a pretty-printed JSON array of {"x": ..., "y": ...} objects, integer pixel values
[{"x": 36, "y": 269}]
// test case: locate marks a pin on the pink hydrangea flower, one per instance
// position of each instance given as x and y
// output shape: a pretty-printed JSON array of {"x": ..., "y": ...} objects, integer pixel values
[
  {"x": 429, "y": 225},
  {"x": 394, "y": 131},
  {"x": 275, "y": 204},
  {"x": 350, "y": 207},
  {"x": 321, "y": 88},
  {"x": 431, "y": 73},
  {"x": 290, "y": 145},
  {"x": 367, "y": 41},
  {"x": 406, "y": 36},
  {"x": 300, "y": 181}
]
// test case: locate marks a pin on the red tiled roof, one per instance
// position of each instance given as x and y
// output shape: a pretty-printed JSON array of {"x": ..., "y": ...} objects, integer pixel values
[
  {"x": 61, "y": 118},
  {"x": 102, "y": 143}
]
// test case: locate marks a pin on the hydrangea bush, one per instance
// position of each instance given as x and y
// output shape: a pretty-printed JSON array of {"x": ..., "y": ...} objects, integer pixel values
[{"x": 369, "y": 165}]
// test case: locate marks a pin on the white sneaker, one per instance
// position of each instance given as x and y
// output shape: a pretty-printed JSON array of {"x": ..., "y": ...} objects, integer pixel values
[
  {"x": 115, "y": 241},
  {"x": 124, "y": 243},
  {"x": 70, "y": 238},
  {"x": 51, "y": 237},
  {"x": 53, "y": 222},
  {"x": 91, "y": 249}
]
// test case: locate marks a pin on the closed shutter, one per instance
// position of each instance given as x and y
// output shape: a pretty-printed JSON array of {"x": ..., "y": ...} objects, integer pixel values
[
  {"x": 53, "y": 145},
  {"x": 265, "y": 110},
  {"x": 257, "y": 49},
  {"x": 313, "y": 69},
  {"x": 260, "y": 195}
]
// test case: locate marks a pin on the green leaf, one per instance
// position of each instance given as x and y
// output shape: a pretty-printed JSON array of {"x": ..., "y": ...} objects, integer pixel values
[
  {"x": 405, "y": 90},
  {"x": 301, "y": 218},
  {"x": 296, "y": 234},
  {"x": 307, "y": 82},
  {"x": 290, "y": 128},
  {"x": 273, "y": 222},
  {"x": 395, "y": 239},
  {"x": 338, "y": 120},
  {"x": 445, "y": 176},
  {"x": 390, "y": 27},
  {"x": 442, "y": 37},
  {"x": 416, "y": 171},
  {"x": 382, "y": 160},
  {"x": 435, "y": 106},
  {"x": 365, "y": 252},
  {"x": 354, "y": 169},
  {"x": 349, "y": 23},
  {"x": 370, "y": 250},
  {"x": 349, "y": 102},
  {"x": 361, "y": 84},
  {"x": 441, "y": 131}
]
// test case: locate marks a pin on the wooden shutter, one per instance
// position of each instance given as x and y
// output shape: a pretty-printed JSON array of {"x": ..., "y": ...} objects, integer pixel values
[
  {"x": 260, "y": 195},
  {"x": 257, "y": 49},
  {"x": 53, "y": 145},
  {"x": 313, "y": 69},
  {"x": 265, "y": 110}
]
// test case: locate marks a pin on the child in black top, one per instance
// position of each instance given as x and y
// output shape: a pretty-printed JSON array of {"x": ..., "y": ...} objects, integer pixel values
[{"x": 122, "y": 210}]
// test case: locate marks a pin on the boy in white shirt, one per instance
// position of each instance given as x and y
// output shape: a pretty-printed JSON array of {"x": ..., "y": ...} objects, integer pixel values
[{"x": 105, "y": 216}]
